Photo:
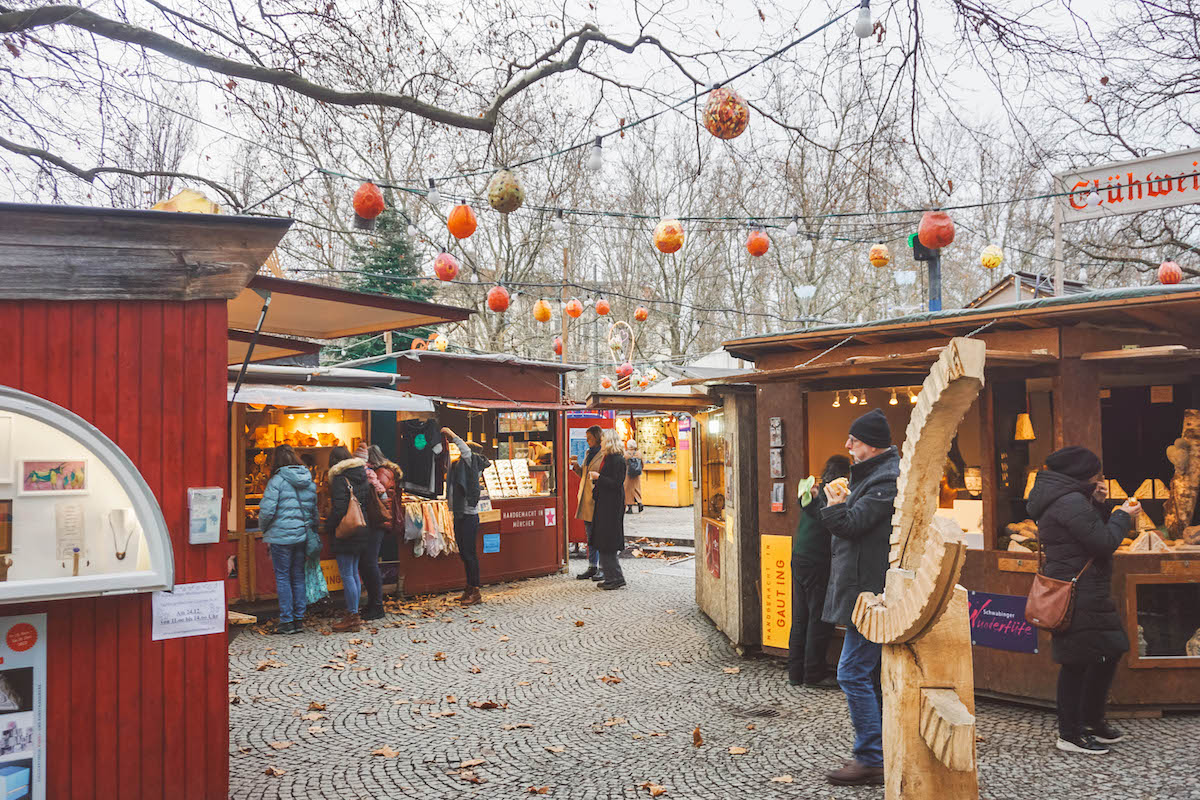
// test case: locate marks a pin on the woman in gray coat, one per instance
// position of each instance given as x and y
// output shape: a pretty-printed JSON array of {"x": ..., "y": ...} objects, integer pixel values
[{"x": 287, "y": 515}]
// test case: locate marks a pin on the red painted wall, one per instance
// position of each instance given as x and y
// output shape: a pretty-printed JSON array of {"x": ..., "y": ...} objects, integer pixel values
[{"x": 128, "y": 717}]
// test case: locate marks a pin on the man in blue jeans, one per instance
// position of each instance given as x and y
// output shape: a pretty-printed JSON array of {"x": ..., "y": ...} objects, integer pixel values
[{"x": 858, "y": 517}]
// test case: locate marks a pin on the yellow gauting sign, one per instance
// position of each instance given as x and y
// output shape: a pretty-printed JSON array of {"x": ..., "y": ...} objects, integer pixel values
[
  {"x": 333, "y": 578},
  {"x": 776, "y": 590}
]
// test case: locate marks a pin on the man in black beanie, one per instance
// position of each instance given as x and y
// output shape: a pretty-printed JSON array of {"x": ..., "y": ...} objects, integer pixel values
[{"x": 859, "y": 518}]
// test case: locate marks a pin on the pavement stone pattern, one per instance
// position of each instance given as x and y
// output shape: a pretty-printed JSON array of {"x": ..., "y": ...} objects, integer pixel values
[
  {"x": 676, "y": 524},
  {"x": 588, "y": 738}
]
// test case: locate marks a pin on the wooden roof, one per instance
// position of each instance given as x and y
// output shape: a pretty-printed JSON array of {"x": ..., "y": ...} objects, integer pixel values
[
  {"x": 1162, "y": 308},
  {"x": 266, "y": 347},
  {"x": 644, "y": 401},
  {"x": 314, "y": 311},
  {"x": 50, "y": 252}
]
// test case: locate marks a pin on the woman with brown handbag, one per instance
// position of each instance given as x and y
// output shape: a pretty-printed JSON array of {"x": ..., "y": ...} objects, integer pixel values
[
  {"x": 1078, "y": 537},
  {"x": 347, "y": 526}
]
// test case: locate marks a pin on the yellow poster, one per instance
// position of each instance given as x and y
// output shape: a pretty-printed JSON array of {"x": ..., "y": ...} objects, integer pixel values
[
  {"x": 776, "y": 552},
  {"x": 333, "y": 578}
]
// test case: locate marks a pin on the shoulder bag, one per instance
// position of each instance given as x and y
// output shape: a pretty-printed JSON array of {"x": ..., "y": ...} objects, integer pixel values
[
  {"x": 353, "y": 521},
  {"x": 1051, "y": 602}
]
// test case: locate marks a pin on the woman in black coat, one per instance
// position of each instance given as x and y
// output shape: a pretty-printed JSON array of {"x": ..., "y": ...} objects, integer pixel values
[
  {"x": 608, "y": 517},
  {"x": 1078, "y": 538},
  {"x": 346, "y": 475}
]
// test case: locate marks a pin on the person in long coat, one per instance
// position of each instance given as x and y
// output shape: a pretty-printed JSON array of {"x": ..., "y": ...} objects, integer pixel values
[
  {"x": 346, "y": 475},
  {"x": 633, "y": 477},
  {"x": 585, "y": 503},
  {"x": 608, "y": 514},
  {"x": 1078, "y": 537}
]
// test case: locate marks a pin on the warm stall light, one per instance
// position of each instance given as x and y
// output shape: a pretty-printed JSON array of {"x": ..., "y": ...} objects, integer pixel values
[
  {"x": 912, "y": 398},
  {"x": 466, "y": 408},
  {"x": 853, "y": 398},
  {"x": 321, "y": 415},
  {"x": 714, "y": 424},
  {"x": 893, "y": 401},
  {"x": 291, "y": 416},
  {"x": 862, "y": 397},
  {"x": 837, "y": 399},
  {"x": 308, "y": 416},
  {"x": 1024, "y": 428}
]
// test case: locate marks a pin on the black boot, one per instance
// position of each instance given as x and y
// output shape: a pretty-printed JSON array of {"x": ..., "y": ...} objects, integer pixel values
[
  {"x": 373, "y": 612},
  {"x": 587, "y": 573},
  {"x": 628, "y": 509},
  {"x": 641, "y": 508}
]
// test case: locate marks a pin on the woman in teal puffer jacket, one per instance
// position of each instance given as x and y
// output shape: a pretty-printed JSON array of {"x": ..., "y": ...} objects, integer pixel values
[{"x": 287, "y": 514}]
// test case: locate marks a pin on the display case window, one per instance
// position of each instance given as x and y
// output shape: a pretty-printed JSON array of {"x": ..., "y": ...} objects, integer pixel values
[
  {"x": 1165, "y": 614},
  {"x": 713, "y": 466},
  {"x": 76, "y": 517}
]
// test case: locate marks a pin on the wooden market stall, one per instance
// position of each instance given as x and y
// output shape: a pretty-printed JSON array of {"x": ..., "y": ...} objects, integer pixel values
[
  {"x": 113, "y": 407},
  {"x": 1114, "y": 370},
  {"x": 312, "y": 408},
  {"x": 663, "y": 429},
  {"x": 513, "y": 407}
]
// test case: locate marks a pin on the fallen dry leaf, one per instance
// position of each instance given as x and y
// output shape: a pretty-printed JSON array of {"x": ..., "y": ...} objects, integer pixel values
[
  {"x": 486, "y": 704},
  {"x": 738, "y": 751},
  {"x": 315, "y": 729},
  {"x": 315, "y": 706},
  {"x": 269, "y": 664},
  {"x": 538, "y": 790},
  {"x": 751, "y": 726},
  {"x": 474, "y": 762},
  {"x": 274, "y": 772},
  {"x": 420, "y": 641},
  {"x": 663, "y": 663},
  {"x": 782, "y": 779},
  {"x": 504, "y": 638},
  {"x": 524, "y": 683},
  {"x": 280, "y": 745},
  {"x": 244, "y": 749},
  {"x": 539, "y": 661},
  {"x": 451, "y": 699},
  {"x": 697, "y": 739},
  {"x": 556, "y": 748},
  {"x": 518, "y": 725},
  {"x": 578, "y": 623},
  {"x": 312, "y": 716},
  {"x": 369, "y": 711},
  {"x": 474, "y": 670},
  {"x": 610, "y": 679},
  {"x": 356, "y": 641},
  {"x": 234, "y": 700},
  {"x": 439, "y": 656},
  {"x": 615, "y": 721},
  {"x": 385, "y": 751},
  {"x": 654, "y": 789},
  {"x": 732, "y": 670},
  {"x": 442, "y": 713}
]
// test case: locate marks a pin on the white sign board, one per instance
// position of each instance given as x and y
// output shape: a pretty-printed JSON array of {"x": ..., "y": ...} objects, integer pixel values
[
  {"x": 1127, "y": 187},
  {"x": 192, "y": 609},
  {"x": 204, "y": 515}
]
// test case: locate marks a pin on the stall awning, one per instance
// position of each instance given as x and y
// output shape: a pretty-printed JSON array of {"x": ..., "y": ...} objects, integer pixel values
[
  {"x": 267, "y": 347},
  {"x": 343, "y": 397},
  {"x": 906, "y": 366},
  {"x": 644, "y": 401},
  {"x": 505, "y": 405},
  {"x": 314, "y": 311}
]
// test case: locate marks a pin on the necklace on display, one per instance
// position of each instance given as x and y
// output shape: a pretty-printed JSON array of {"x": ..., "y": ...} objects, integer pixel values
[{"x": 118, "y": 518}]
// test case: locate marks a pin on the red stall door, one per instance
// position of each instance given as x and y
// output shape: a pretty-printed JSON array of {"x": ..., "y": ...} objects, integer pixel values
[{"x": 577, "y": 424}]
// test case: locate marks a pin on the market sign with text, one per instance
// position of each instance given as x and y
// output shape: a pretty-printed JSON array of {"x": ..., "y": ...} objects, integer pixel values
[
  {"x": 1127, "y": 187},
  {"x": 998, "y": 622},
  {"x": 526, "y": 519}
]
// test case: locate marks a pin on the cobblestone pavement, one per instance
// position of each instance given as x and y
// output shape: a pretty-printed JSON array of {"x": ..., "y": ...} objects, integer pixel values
[
  {"x": 599, "y": 693},
  {"x": 661, "y": 523}
]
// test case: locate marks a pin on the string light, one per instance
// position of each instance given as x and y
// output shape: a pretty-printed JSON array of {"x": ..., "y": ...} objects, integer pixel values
[
  {"x": 557, "y": 225},
  {"x": 853, "y": 398},
  {"x": 595, "y": 160},
  {"x": 413, "y": 233},
  {"x": 862, "y": 25},
  {"x": 1093, "y": 199},
  {"x": 793, "y": 228},
  {"x": 893, "y": 401},
  {"x": 433, "y": 195},
  {"x": 837, "y": 400}
]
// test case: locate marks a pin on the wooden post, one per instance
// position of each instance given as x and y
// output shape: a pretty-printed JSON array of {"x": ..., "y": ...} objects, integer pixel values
[
  {"x": 387, "y": 342},
  {"x": 1058, "y": 247},
  {"x": 1077, "y": 406},
  {"x": 563, "y": 358}
]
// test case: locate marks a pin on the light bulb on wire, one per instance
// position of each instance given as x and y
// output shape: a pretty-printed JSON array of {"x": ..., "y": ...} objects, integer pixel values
[
  {"x": 595, "y": 161},
  {"x": 837, "y": 400},
  {"x": 433, "y": 195},
  {"x": 557, "y": 225},
  {"x": 412, "y": 231},
  {"x": 793, "y": 228},
  {"x": 893, "y": 401},
  {"x": 1093, "y": 199},
  {"x": 863, "y": 25}
]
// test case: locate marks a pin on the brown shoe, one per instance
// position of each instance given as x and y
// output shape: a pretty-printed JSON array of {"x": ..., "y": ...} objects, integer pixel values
[
  {"x": 472, "y": 597},
  {"x": 465, "y": 596},
  {"x": 855, "y": 774},
  {"x": 349, "y": 623}
]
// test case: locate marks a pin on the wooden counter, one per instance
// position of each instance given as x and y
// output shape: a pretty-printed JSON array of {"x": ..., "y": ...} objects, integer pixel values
[{"x": 666, "y": 485}]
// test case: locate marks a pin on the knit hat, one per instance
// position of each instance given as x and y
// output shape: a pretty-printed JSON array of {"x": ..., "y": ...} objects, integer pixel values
[
  {"x": 1074, "y": 462},
  {"x": 361, "y": 451},
  {"x": 872, "y": 429}
]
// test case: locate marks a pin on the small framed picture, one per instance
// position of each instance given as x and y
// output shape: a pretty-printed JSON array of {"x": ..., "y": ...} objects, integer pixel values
[
  {"x": 776, "y": 428},
  {"x": 52, "y": 477},
  {"x": 777, "y": 491},
  {"x": 777, "y": 462}
]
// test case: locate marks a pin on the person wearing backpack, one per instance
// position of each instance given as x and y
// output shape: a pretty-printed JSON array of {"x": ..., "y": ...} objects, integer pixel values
[
  {"x": 287, "y": 516},
  {"x": 350, "y": 492},
  {"x": 633, "y": 477}
]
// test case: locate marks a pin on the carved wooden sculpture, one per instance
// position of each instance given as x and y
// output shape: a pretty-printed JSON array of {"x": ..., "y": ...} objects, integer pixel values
[
  {"x": 1184, "y": 455},
  {"x": 921, "y": 618}
]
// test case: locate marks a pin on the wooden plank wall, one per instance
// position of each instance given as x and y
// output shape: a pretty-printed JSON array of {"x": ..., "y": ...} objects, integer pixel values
[{"x": 128, "y": 717}]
